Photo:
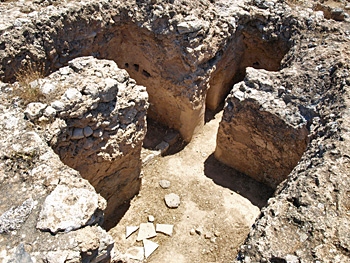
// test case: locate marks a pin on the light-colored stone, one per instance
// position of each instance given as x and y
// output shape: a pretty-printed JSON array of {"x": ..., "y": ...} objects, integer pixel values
[
  {"x": 147, "y": 230},
  {"x": 149, "y": 247},
  {"x": 68, "y": 208},
  {"x": 130, "y": 230},
  {"x": 165, "y": 184},
  {"x": 172, "y": 200},
  {"x": 13, "y": 218},
  {"x": 72, "y": 94},
  {"x": 35, "y": 110},
  {"x": 150, "y": 218},
  {"x": 165, "y": 229}
]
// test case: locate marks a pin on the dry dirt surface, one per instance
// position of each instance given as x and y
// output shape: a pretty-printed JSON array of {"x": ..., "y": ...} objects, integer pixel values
[{"x": 217, "y": 203}]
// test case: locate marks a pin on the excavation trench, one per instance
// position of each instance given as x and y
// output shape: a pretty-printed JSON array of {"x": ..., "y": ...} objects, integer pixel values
[{"x": 180, "y": 90}]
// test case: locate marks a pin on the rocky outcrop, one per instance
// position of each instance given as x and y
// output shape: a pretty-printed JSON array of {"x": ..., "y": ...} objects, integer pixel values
[
  {"x": 48, "y": 213},
  {"x": 96, "y": 123}
]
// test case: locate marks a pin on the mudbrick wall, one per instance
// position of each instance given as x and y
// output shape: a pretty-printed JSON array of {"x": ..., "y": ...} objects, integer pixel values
[{"x": 188, "y": 54}]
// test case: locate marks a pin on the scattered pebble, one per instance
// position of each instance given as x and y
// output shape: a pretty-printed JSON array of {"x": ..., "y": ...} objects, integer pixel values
[
  {"x": 208, "y": 235},
  {"x": 192, "y": 232},
  {"x": 165, "y": 184},
  {"x": 151, "y": 218},
  {"x": 199, "y": 230},
  {"x": 172, "y": 200}
]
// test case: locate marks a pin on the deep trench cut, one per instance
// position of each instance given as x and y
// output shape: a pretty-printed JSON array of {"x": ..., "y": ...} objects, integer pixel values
[
  {"x": 245, "y": 49},
  {"x": 179, "y": 91}
]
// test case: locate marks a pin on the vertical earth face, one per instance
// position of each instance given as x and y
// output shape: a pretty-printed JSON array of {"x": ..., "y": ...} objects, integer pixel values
[
  {"x": 260, "y": 134},
  {"x": 285, "y": 124}
]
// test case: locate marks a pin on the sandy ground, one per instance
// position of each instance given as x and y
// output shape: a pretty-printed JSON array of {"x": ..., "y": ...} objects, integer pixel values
[{"x": 214, "y": 198}]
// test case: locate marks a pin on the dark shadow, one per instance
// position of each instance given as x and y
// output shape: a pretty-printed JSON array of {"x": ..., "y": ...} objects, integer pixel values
[
  {"x": 158, "y": 133},
  {"x": 210, "y": 114},
  {"x": 114, "y": 219},
  {"x": 223, "y": 175}
]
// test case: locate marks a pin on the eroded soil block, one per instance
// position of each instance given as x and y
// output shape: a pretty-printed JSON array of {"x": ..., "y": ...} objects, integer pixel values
[{"x": 259, "y": 134}]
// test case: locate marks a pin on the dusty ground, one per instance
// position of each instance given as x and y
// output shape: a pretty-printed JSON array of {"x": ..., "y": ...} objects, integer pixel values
[{"x": 214, "y": 197}]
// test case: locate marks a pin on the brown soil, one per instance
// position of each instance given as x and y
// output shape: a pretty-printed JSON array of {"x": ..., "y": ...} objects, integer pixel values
[{"x": 214, "y": 197}]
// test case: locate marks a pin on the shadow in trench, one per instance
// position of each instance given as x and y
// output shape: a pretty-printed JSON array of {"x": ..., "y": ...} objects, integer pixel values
[
  {"x": 223, "y": 175},
  {"x": 114, "y": 219},
  {"x": 158, "y": 134},
  {"x": 210, "y": 114}
]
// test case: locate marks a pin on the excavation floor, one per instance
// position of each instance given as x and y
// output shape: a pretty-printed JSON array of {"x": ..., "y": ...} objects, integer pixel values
[{"x": 218, "y": 202}]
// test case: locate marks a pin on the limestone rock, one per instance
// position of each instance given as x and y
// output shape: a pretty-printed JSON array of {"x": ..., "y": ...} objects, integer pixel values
[
  {"x": 172, "y": 200},
  {"x": 68, "y": 208},
  {"x": 15, "y": 216},
  {"x": 165, "y": 184},
  {"x": 35, "y": 110}
]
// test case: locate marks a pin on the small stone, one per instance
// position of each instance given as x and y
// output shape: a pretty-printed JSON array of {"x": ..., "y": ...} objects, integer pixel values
[
  {"x": 291, "y": 259},
  {"x": 34, "y": 110},
  {"x": 165, "y": 184},
  {"x": 97, "y": 133},
  {"x": 165, "y": 229},
  {"x": 136, "y": 253},
  {"x": 199, "y": 230},
  {"x": 171, "y": 137},
  {"x": 49, "y": 112},
  {"x": 72, "y": 94},
  {"x": 172, "y": 200},
  {"x": 88, "y": 131},
  {"x": 150, "y": 218},
  {"x": 208, "y": 235},
  {"x": 47, "y": 89},
  {"x": 149, "y": 247},
  {"x": 162, "y": 147},
  {"x": 58, "y": 105},
  {"x": 192, "y": 232},
  {"x": 217, "y": 233},
  {"x": 78, "y": 133},
  {"x": 147, "y": 230},
  {"x": 130, "y": 230}
]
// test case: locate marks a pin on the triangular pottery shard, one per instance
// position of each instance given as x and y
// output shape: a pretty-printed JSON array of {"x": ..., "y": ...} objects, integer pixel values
[
  {"x": 165, "y": 229},
  {"x": 130, "y": 230},
  {"x": 149, "y": 247}
]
